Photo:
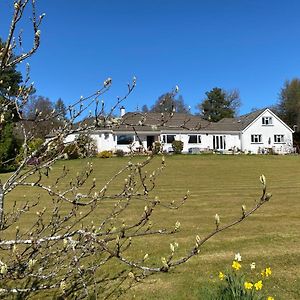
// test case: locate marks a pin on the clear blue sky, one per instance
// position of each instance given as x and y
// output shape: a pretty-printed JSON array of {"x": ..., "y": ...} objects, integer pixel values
[{"x": 249, "y": 45}]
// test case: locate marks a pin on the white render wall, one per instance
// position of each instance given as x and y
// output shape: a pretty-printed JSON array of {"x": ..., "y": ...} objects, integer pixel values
[
  {"x": 231, "y": 140},
  {"x": 267, "y": 132}
]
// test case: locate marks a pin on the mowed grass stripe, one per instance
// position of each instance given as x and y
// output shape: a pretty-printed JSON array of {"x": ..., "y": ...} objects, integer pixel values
[{"x": 217, "y": 184}]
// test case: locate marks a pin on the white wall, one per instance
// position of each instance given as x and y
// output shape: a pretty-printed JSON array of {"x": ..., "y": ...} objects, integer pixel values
[
  {"x": 232, "y": 140},
  {"x": 267, "y": 132}
]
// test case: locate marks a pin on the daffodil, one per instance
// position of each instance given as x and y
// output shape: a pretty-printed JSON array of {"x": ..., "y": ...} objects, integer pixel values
[
  {"x": 268, "y": 271},
  {"x": 238, "y": 257},
  {"x": 248, "y": 285},
  {"x": 235, "y": 265},
  {"x": 258, "y": 285},
  {"x": 270, "y": 298},
  {"x": 221, "y": 275}
]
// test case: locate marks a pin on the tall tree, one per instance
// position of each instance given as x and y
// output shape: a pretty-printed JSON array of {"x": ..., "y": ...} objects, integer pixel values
[
  {"x": 40, "y": 112},
  {"x": 10, "y": 80},
  {"x": 289, "y": 102},
  {"x": 145, "y": 108},
  {"x": 219, "y": 104},
  {"x": 168, "y": 103},
  {"x": 60, "y": 109},
  {"x": 38, "y": 107}
]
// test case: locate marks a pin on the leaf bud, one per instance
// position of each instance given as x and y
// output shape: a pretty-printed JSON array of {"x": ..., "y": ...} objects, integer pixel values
[
  {"x": 177, "y": 225},
  {"x": 262, "y": 179},
  {"x": 217, "y": 219}
]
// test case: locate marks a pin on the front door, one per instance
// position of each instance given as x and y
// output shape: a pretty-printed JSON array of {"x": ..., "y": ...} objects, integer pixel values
[
  {"x": 219, "y": 142},
  {"x": 150, "y": 141}
]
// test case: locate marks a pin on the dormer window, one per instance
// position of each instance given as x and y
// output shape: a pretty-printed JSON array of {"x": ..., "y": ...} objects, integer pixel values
[{"x": 267, "y": 121}]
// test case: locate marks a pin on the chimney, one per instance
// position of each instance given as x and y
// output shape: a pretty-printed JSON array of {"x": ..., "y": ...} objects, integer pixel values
[{"x": 122, "y": 111}]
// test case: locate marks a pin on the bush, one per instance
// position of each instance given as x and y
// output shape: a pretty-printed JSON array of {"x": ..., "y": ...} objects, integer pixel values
[
  {"x": 86, "y": 145},
  {"x": 119, "y": 153},
  {"x": 177, "y": 146},
  {"x": 105, "y": 154},
  {"x": 156, "y": 148},
  {"x": 33, "y": 145},
  {"x": 72, "y": 151}
]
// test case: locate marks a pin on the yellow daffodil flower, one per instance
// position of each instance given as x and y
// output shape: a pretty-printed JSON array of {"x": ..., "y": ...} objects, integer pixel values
[
  {"x": 248, "y": 285},
  {"x": 235, "y": 265},
  {"x": 268, "y": 271},
  {"x": 221, "y": 275},
  {"x": 270, "y": 298},
  {"x": 258, "y": 285}
]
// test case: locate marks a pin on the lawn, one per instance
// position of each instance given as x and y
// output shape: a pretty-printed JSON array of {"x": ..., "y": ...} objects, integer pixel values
[{"x": 217, "y": 184}]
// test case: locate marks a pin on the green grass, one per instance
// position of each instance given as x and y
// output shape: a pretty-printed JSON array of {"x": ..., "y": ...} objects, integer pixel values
[{"x": 218, "y": 184}]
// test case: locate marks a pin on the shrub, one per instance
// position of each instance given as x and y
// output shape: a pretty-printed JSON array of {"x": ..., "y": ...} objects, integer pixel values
[
  {"x": 119, "y": 153},
  {"x": 105, "y": 154},
  {"x": 72, "y": 151},
  {"x": 177, "y": 146},
  {"x": 86, "y": 145},
  {"x": 156, "y": 148}
]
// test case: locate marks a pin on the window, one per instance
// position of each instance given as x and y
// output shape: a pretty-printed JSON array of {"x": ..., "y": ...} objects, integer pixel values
[
  {"x": 278, "y": 138},
  {"x": 194, "y": 139},
  {"x": 168, "y": 138},
  {"x": 256, "y": 138},
  {"x": 125, "y": 139},
  {"x": 267, "y": 121}
]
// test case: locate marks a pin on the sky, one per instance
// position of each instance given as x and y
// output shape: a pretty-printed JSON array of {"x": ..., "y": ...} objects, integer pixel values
[{"x": 249, "y": 45}]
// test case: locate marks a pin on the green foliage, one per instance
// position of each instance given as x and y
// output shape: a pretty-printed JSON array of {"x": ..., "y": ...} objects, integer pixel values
[
  {"x": 33, "y": 145},
  {"x": 86, "y": 145},
  {"x": 60, "y": 109},
  {"x": 177, "y": 146},
  {"x": 72, "y": 151},
  {"x": 242, "y": 285},
  {"x": 119, "y": 153},
  {"x": 105, "y": 154},
  {"x": 10, "y": 80},
  {"x": 289, "y": 102},
  {"x": 219, "y": 104},
  {"x": 9, "y": 147},
  {"x": 156, "y": 148}
]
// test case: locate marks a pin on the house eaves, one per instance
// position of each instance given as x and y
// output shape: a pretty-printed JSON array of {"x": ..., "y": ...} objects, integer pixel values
[{"x": 273, "y": 114}]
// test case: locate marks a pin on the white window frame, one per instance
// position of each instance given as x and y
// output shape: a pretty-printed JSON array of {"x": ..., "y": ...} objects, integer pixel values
[
  {"x": 279, "y": 138},
  {"x": 267, "y": 121},
  {"x": 256, "y": 139}
]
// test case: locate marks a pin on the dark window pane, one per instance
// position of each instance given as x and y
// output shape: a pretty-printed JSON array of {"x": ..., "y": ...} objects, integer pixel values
[
  {"x": 193, "y": 139},
  {"x": 170, "y": 139},
  {"x": 125, "y": 139}
]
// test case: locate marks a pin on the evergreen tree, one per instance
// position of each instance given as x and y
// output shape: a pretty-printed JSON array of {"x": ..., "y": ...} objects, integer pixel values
[
  {"x": 289, "y": 103},
  {"x": 10, "y": 80},
  {"x": 219, "y": 104},
  {"x": 60, "y": 109}
]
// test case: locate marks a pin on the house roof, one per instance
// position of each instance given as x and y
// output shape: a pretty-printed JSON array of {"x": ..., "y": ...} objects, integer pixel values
[
  {"x": 235, "y": 124},
  {"x": 160, "y": 121},
  {"x": 167, "y": 122}
]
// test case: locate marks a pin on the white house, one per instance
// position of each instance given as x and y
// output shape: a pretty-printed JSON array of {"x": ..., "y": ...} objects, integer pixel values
[{"x": 257, "y": 132}]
